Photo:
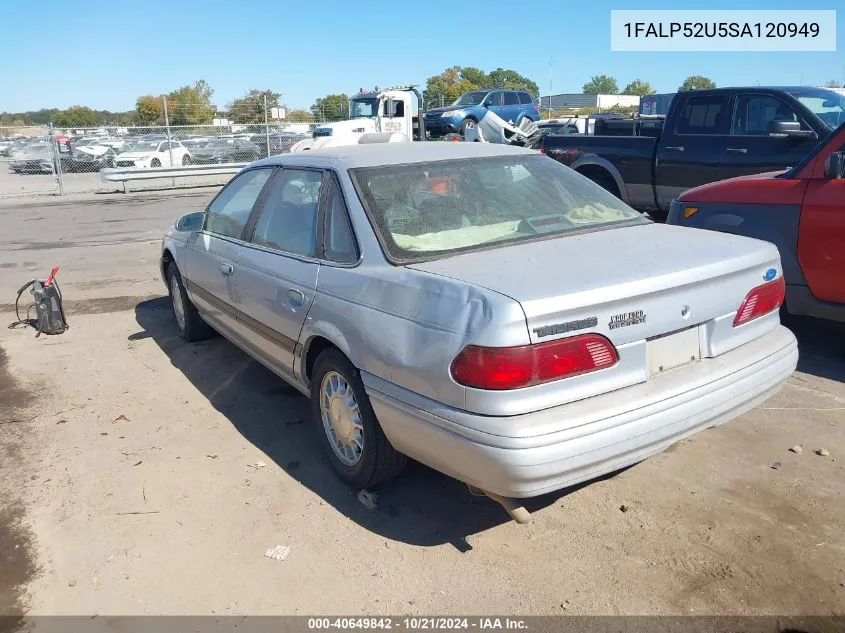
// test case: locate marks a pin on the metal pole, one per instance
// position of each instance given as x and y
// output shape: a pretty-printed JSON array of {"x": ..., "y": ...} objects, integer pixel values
[
  {"x": 169, "y": 140},
  {"x": 167, "y": 125},
  {"x": 266, "y": 125},
  {"x": 57, "y": 160}
]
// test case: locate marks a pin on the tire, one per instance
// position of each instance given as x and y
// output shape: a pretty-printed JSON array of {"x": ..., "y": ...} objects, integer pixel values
[
  {"x": 467, "y": 123},
  {"x": 155, "y": 162},
  {"x": 605, "y": 181},
  {"x": 191, "y": 326},
  {"x": 186, "y": 160},
  {"x": 378, "y": 461}
]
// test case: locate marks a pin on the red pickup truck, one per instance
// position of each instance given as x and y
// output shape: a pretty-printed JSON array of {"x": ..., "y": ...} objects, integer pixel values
[{"x": 800, "y": 210}]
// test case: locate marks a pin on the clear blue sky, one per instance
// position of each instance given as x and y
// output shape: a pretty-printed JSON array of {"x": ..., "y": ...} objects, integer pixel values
[{"x": 105, "y": 53}]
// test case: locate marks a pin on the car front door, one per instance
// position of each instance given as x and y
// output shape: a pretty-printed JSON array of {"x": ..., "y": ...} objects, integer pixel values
[
  {"x": 688, "y": 153},
  {"x": 212, "y": 253},
  {"x": 751, "y": 148},
  {"x": 821, "y": 232},
  {"x": 277, "y": 270}
]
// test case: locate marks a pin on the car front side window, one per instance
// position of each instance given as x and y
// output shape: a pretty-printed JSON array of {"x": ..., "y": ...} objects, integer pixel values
[
  {"x": 288, "y": 219},
  {"x": 228, "y": 213}
]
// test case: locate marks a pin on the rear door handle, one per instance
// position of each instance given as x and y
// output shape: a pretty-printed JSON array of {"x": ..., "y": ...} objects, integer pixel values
[
  {"x": 226, "y": 269},
  {"x": 674, "y": 149},
  {"x": 736, "y": 150},
  {"x": 296, "y": 297}
]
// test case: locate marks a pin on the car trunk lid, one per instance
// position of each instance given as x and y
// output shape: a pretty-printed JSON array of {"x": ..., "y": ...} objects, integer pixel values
[{"x": 628, "y": 283}]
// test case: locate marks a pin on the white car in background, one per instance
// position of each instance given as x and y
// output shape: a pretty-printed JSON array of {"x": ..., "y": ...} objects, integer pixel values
[{"x": 153, "y": 153}]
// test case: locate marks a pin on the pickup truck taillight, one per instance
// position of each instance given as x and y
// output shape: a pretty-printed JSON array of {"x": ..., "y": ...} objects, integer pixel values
[
  {"x": 761, "y": 301},
  {"x": 499, "y": 368}
]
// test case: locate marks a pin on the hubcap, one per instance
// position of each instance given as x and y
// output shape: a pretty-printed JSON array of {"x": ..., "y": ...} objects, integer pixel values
[
  {"x": 176, "y": 299},
  {"x": 341, "y": 417}
]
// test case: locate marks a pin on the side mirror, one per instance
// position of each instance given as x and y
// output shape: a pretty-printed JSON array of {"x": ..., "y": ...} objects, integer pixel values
[
  {"x": 789, "y": 128},
  {"x": 190, "y": 221},
  {"x": 834, "y": 166}
]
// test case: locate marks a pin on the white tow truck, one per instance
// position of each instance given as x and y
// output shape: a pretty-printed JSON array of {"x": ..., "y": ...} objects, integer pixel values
[{"x": 395, "y": 115}]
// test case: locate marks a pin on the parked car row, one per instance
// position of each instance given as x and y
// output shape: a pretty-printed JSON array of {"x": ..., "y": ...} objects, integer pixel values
[{"x": 91, "y": 154}]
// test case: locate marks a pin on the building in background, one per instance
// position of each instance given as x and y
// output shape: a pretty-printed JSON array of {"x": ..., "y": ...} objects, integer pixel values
[{"x": 579, "y": 101}]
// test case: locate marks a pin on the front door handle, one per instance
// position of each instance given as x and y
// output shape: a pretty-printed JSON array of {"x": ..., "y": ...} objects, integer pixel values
[
  {"x": 226, "y": 269},
  {"x": 674, "y": 149},
  {"x": 736, "y": 150}
]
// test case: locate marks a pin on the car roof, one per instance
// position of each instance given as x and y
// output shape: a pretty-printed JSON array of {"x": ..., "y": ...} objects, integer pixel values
[{"x": 379, "y": 154}]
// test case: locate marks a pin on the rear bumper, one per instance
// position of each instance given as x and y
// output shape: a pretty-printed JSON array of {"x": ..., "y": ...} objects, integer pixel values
[{"x": 595, "y": 436}]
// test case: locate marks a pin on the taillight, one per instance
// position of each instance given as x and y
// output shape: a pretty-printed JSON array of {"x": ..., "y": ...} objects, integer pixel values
[
  {"x": 761, "y": 301},
  {"x": 526, "y": 365}
]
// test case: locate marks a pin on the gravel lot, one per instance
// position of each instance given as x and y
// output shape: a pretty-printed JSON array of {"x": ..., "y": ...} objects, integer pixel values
[{"x": 143, "y": 475}]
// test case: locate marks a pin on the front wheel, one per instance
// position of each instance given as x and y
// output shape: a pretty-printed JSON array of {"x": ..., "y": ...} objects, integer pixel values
[
  {"x": 190, "y": 323},
  {"x": 467, "y": 124},
  {"x": 357, "y": 448},
  {"x": 186, "y": 160},
  {"x": 155, "y": 162}
]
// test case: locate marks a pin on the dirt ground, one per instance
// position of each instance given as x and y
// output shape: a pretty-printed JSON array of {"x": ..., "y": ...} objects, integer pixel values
[{"x": 143, "y": 475}]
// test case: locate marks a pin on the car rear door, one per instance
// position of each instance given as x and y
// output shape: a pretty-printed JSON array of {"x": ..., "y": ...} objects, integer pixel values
[
  {"x": 688, "y": 149},
  {"x": 512, "y": 110},
  {"x": 494, "y": 103},
  {"x": 277, "y": 270},
  {"x": 212, "y": 253},
  {"x": 750, "y": 148}
]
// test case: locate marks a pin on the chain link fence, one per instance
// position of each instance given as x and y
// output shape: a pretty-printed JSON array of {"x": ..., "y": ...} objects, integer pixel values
[
  {"x": 61, "y": 160},
  {"x": 57, "y": 160}
]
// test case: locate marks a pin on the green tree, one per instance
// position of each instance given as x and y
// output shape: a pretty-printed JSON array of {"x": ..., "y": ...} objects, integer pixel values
[
  {"x": 331, "y": 108},
  {"x": 638, "y": 87},
  {"x": 476, "y": 76},
  {"x": 697, "y": 82},
  {"x": 299, "y": 116},
  {"x": 250, "y": 107},
  {"x": 150, "y": 110},
  {"x": 76, "y": 116},
  {"x": 601, "y": 85},
  {"x": 833, "y": 84},
  {"x": 449, "y": 85},
  {"x": 503, "y": 78},
  {"x": 191, "y": 105}
]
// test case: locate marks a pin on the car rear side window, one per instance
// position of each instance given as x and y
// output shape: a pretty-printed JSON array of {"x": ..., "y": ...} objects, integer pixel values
[
  {"x": 511, "y": 98},
  {"x": 703, "y": 115},
  {"x": 524, "y": 97},
  {"x": 228, "y": 212},
  {"x": 339, "y": 237},
  {"x": 288, "y": 218}
]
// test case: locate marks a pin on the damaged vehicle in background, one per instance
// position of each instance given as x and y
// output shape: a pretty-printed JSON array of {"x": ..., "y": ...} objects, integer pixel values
[
  {"x": 92, "y": 157},
  {"x": 33, "y": 158},
  {"x": 225, "y": 150},
  {"x": 473, "y": 306}
]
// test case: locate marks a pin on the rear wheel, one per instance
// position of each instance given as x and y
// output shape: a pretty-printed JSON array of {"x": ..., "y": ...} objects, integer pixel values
[
  {"x": 357, "y": 448},
  {"x": 605, "y": 181}
]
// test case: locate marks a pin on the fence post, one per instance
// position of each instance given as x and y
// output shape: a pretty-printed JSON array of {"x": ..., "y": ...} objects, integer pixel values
[
  {"x": 57, "y": 160},
  {"x": 169, "y": 140},
  {"x": 266, "y": 125}
]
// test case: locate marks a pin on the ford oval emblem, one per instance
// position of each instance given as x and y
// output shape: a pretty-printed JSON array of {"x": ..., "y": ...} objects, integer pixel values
[{"x": 770, "y": 274}]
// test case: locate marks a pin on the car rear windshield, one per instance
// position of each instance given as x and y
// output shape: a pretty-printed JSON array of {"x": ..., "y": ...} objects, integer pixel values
[{"x": 423, "y": 211}]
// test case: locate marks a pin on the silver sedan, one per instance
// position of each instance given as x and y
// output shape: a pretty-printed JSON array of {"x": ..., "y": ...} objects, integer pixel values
[{"x": 479, "y": 308}]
